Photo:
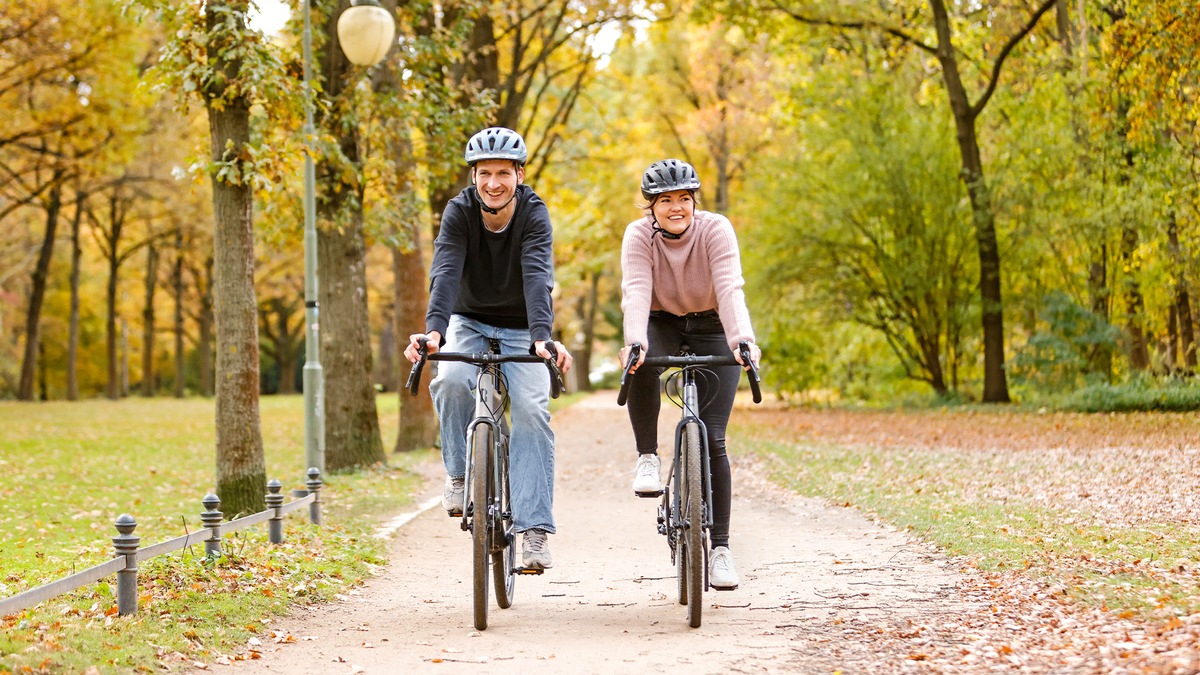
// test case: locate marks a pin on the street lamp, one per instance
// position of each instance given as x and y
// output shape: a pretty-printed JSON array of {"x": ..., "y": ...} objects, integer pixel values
[{"x": 366, "y": 33}]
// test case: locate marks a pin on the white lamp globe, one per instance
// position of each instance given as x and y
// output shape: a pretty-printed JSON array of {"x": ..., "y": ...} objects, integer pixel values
[{"x": 366, "y": 32}]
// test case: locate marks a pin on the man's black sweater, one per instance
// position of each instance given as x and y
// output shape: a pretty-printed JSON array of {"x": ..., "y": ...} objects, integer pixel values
[{"x": 501, "y": 278}]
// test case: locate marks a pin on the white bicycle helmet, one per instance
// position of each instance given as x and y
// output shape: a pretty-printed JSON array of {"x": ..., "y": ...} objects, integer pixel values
[{"x": 496, "y": 143}]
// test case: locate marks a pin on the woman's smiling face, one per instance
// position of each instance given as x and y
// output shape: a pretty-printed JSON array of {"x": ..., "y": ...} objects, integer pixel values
[{"x": 674, "y": 210}]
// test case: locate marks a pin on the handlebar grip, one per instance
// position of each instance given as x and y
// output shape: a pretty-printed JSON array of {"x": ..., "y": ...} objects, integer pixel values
[
  {"x": 556, "y": 382},
  {"x": 414, "y": 376},
  {"x": 635, "y": 351},
  {"x": 752, "y": 373}
]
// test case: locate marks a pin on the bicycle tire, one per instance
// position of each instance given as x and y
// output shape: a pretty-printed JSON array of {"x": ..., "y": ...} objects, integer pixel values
[
  {"x": 482, "y": 492},
  {"x": 504, "y": 540},
  {"x": 693, "y": 516}
]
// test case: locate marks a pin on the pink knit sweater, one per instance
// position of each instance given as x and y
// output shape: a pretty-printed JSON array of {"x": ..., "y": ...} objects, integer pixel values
[{"x": 700, "y": 271}]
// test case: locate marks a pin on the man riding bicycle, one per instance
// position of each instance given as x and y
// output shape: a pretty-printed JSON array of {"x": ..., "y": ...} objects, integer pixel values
[{"x": 491, "y": 278}]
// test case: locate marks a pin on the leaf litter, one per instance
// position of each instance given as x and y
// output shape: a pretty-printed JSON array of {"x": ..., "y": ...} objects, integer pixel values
[{"x": 1125, "y": 488}]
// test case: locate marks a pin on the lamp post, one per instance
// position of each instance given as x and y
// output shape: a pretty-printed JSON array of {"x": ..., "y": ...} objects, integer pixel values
[{"x": 366, "y": 32}]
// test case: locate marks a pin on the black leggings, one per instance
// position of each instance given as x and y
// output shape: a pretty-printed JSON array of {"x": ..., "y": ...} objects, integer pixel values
[{"x": 705, "y": 336}]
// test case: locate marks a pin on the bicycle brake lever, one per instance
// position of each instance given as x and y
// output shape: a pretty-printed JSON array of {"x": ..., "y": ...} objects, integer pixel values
[
  {"x": 414, "y": 376},
  {"x": 635, "y": 352},
  {"x": 751, "y": 372}
]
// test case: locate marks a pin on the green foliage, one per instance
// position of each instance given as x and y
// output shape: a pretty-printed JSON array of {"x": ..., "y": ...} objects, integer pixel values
[
  {"x": 884, "y": 239},
  {"x": 1142, "y": 394},
  {"x": 1059, "y": 356},
  {"x": 226, "y": 63}
]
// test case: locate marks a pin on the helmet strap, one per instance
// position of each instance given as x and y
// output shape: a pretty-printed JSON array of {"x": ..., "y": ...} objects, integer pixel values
[
  {"x": 489, "y": 209},
  {"x": 658, "y": 230}
]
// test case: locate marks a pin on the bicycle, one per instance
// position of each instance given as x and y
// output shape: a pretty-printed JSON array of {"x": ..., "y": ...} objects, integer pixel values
[
  {"x": 487, "y": 511},
  {"x": 686, "y": 517}
]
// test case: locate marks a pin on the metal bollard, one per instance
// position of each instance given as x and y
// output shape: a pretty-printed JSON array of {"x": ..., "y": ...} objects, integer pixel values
[
  {"x": 314, "y": 486},
  {"x": 274, "y": 501},
  {"x": 126, "y": 544},
  {"x": 212, "y": 520}
]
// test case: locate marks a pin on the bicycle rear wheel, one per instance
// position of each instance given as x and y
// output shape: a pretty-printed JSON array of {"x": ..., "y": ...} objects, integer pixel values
[
  {"x": 482, "y": 493},
  {"x": 504, "y": 540},
  {"x": 693, "y": 518}
]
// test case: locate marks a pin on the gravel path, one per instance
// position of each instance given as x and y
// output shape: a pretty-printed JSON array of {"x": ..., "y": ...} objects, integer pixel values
[{"x": 812, "y": 576}]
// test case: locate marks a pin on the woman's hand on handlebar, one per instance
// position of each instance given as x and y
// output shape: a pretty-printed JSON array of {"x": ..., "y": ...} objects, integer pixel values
[
  {"x": 755, "y": 355},
  {"x": 624, "y": 356},
  {"x": 413, "y": 351},
  {"x": 561, "y": 357}
]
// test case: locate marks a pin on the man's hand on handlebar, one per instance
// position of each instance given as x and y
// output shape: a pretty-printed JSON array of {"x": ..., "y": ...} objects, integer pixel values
[
  {"x": 413, "y": 351},
  {"x": 561, "y": 357}
]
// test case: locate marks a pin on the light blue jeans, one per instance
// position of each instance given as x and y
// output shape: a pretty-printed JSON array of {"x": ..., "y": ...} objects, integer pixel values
[{"x": 531, "y": 445}]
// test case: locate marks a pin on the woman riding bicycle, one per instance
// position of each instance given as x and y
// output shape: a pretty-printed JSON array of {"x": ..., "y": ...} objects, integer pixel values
[{"x": 682, "y": 285}]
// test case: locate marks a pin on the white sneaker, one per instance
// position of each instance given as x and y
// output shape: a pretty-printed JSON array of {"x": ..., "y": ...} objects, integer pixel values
[
  {"x": 722, "y": 575},
  {"x": 646, "y": 480},
  {"x": 453, "y": 495},
  {"x": 534, "y": 551}
]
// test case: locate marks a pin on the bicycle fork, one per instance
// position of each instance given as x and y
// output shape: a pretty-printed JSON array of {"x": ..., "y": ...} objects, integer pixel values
[
  {"x": 673, "y": 524},
  {"x": 487, "y": 410}
]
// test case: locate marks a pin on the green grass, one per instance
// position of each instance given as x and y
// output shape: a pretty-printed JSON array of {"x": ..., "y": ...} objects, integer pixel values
[
  {"x": 973, "y": 505},
  {"x": 71, "y": 468}
]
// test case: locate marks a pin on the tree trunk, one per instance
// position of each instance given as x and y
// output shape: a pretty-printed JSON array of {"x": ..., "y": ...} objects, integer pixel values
[
  {"x": 1183, "y": 304},
  {"x": 418, "y": 422},
  {"x": 387, "y": 355},
  {"x": 1100, "y": 356},
  {"x": 587, "y": 314},
  {"x": 177, "y": 292},
  {"x": 113, "y": 385},
  {"x": 44, "y": 392},
  {"x": 352, "y": 437},
  {"x": 73, "y": 329},
  {"x": 241, "y": 473},
  {"x": 37, "y": 294},
  {"x": 148, "y": 377},
  {"x": 995, "y": 382},
  {"x": 204, "y": 328},
  {"x": 1135, "y": 306}
]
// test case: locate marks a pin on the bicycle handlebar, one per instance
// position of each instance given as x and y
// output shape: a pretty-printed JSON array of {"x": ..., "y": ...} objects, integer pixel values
[
  {"x": 414, "y": 376},
  {"x": 688, "y": 361}
]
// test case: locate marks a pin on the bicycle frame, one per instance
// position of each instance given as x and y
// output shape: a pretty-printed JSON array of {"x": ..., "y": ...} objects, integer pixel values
[
  {"x": 691, "y": 414},
  {"x": 490, "y": 409}
]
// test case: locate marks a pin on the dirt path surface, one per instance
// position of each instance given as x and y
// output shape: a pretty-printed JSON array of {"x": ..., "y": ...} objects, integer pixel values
[{"x": 810, "y": 575}]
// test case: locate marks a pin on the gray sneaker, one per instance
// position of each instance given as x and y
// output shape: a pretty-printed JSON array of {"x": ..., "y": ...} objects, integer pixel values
[
  {"x": 453, "y": 494},
  {"x": 722, "y": 575},
  {"x": 534, "y": 551},
  {"x": 646, "y": 476}
]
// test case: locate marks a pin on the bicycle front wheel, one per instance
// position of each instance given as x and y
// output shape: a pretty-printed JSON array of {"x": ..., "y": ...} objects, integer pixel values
[
  {"x": 504, "y": 540},
  {"x": 483, "y": 494},
  {"x": 693, "y": 521}
]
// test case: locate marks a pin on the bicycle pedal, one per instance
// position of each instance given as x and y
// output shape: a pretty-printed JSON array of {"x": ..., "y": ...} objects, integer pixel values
[
  {"x": 454, "y": 514},
  {"x": 650, "y": 495},
  {"x": 528, "y": 570},
  {"x": 723, "y": 588}
]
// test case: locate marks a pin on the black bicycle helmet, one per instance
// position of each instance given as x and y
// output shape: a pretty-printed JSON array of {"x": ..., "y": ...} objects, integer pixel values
[
  {"x": 667, "y": 175},
  {"x": 496, "y": 143}
]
